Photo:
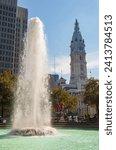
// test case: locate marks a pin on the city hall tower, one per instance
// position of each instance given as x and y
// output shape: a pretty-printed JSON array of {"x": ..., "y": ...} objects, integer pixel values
[{"x": 78, "y": 67}]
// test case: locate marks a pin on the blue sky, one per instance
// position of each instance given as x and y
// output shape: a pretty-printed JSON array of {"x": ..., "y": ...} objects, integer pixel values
[{"x": 58, "y": 17}]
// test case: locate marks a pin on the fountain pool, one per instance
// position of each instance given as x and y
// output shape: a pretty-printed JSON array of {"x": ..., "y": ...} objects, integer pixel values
[{"x": 68, "y": 139}]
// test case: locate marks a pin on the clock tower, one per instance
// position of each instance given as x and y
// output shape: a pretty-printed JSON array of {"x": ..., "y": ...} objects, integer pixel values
[{"x": 78, "y": 65}]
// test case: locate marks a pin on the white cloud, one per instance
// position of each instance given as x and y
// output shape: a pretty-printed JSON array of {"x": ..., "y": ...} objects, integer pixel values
[
  {"x": 93, "y": 60},
  {"x": 62, "y": 63}
]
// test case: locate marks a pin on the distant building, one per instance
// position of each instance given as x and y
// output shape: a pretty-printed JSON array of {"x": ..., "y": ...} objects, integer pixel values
[
  {"x": 53, "y": 81},
  {"x": 13, "y": 25},
  {"x": 61, "y": 82},
  {"x": 78, "y": 63},
  {"x": 78, "y": 76}
]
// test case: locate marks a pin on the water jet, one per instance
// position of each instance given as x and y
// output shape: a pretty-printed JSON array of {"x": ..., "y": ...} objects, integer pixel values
[{"x": 32, "y": 114}]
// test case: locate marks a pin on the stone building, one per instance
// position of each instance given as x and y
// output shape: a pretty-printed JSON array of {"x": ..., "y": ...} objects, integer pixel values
[
  {"x": 78, "y": 74},
  {"x": 13, "y": 25},
  {"x": 78, "y": 63}
]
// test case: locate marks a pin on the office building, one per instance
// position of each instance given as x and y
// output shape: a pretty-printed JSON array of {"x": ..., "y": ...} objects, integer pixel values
[{"x": 13, "y": 25}]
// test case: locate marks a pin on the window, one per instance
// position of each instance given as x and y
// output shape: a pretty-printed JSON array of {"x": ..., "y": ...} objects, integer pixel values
[
  {"x": 0, "y": 11},
  {"x": 6, "y": 7},
  {"x": 75, "y": 39},
  {"x": 81, "y": 58},
  {"x": 1, "y": 6},
  {"x": 7, "y": 65},
  {"x": 81, "y": 67}
]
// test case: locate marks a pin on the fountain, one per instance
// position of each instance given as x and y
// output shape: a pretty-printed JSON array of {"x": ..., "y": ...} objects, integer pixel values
[
  {"x": 32, "y": 108},
  {"x": 32, "y": 115}
]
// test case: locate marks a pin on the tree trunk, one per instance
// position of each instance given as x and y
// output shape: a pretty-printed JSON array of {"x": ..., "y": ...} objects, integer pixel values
[{"x": 2, "y": 108}]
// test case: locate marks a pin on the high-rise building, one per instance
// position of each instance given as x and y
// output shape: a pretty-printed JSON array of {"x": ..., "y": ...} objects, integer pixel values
[
  {"x": 78, "y": 59},
  {"x": 13, "y": 24},
  {"x": 21, "y": 28}
]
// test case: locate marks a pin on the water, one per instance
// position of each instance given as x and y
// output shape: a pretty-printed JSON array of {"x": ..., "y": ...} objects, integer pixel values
[
  {"x": 32, "y": 107},
  {"x": 69, "y": 139}
]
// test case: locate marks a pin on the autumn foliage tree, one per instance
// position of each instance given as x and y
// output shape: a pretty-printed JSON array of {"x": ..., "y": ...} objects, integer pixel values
[
  {"x": 63, "y": 99},
  {"x": 7, "y": 81},
  {"x": 91, "y": 94}
]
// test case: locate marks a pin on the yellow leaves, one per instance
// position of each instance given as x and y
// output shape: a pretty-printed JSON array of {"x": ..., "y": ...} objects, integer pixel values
[
  {"x": 7, "y": 81},
  {"x": 91, "y": 94},
  {"x": 61, "y": 96}
]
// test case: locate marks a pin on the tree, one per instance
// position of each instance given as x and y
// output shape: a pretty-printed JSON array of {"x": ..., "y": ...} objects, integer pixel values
[
  {"x": 91, "y": 94},
  {"x": 61, "y": 99},
  {"x": 7, "y": 81}
]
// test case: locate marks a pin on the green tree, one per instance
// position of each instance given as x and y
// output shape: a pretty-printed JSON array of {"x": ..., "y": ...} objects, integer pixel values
[
  {"x": 91, "y": 94},
  {"x": 61, "y": 97},
  {"x": 7, "y": 81}
]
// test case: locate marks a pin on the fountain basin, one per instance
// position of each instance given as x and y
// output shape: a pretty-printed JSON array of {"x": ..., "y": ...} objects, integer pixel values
[
  {"x": 67, "y": 139},
  {"x": 41, "y": 131}
]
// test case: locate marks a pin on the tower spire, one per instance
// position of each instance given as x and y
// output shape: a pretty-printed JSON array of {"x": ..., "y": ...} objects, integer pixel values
[
  {"x": 76, "y": 25},
  {"x": 77, "y": 43}
]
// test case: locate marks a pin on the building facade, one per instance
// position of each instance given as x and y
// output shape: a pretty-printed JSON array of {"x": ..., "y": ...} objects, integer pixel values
[
  {"x": 13, "y": 24},
  {"x": 53, "y": 81},
  {"x": 78, "y": 75},
  {"x": 78, "y": 63},
  {"x": 21, "y": 28}
]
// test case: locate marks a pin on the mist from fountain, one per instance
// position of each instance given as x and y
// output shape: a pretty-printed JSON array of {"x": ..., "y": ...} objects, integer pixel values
[{"x": 32, "y": 113}]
